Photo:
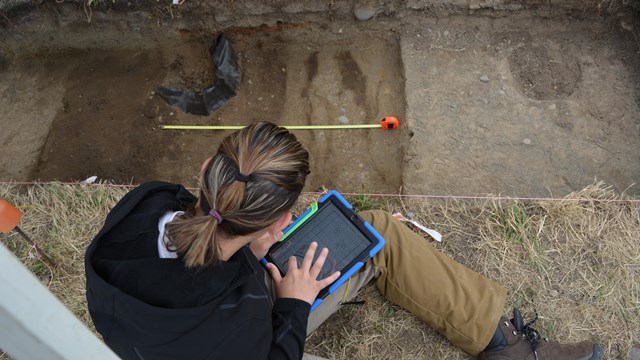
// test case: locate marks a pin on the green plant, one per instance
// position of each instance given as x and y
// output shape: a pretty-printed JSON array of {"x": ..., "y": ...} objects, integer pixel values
[{"x": 364, "y": 202}]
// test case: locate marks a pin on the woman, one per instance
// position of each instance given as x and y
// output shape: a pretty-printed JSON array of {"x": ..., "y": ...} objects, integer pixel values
[{"x": 175, "y": 276}]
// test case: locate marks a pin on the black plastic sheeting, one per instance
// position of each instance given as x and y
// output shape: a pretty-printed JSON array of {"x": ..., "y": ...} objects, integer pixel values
[{"x": 216, "y": 94}]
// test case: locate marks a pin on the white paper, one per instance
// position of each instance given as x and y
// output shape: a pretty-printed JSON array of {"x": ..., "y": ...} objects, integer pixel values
[
  {"x": 89, "y": 180},
  {"x": 434, "y": 234}
]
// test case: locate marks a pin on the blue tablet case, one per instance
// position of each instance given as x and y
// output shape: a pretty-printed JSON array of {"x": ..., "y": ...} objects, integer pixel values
[{"x": 332, "y": 223}]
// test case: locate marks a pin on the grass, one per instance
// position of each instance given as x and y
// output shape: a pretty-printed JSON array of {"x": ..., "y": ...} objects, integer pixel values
[
  {"x": 575, "y": 262},
  {"x": 365, "y": 202}
]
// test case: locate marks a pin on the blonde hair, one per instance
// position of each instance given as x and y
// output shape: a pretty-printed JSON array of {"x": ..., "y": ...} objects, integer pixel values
[{"x": 255, "y": 177}]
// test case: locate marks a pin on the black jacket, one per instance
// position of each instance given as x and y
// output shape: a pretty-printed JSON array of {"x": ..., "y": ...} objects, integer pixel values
[{"x": 151, "y": 308}]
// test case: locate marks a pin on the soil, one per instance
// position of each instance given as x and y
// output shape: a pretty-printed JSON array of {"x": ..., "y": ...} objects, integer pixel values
[
  {"x": 521, "y": 106},
  {"x": 561, "y": 96},
  {"x": 106, "y": 117}
]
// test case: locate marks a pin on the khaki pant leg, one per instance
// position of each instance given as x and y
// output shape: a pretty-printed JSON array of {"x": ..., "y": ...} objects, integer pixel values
[
  {"x": 346, "y": 292},
  {"x": 332, "y": 302},
  {"x": 459, "y": 303}
]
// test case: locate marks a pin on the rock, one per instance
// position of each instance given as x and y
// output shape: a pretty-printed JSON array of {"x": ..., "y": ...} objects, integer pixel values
[
  {"x": 553, "y": 293},
  {"x": 634, "y": 354},
  {"x": 501, "y": 92},
  {"x": 343, "y": 120},
  {"x": 364, "y": 12},
  {"x": 552, "y": 107},
  {"x": 484, "y": 78},
  {"x": 528, "y": 142},
  {"x": 626, "y": 26}
]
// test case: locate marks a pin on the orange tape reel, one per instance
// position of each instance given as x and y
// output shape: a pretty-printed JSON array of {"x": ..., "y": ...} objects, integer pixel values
[{"x": 389, "y": 122}]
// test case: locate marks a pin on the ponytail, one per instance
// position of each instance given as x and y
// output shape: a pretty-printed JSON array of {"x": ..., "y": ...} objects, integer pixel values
[
  {"x": 255, "y": 177},
  {"x": 194, "y": 239}
]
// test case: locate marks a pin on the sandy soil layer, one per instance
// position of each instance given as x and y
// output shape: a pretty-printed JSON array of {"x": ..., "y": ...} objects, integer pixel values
[{"x": 521, "y": 106}]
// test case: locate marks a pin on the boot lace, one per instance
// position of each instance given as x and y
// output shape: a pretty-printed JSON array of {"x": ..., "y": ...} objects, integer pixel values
[{"x": 526, "y": 330}]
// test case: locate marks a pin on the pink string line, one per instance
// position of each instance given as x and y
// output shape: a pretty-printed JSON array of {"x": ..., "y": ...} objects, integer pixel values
[
  {"x": 416, "y": 196},
  {"x": 487, "y": 197}
]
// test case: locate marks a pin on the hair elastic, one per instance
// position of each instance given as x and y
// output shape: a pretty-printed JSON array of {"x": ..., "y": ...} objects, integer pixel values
[
  {"x": 242, "y": 177},
  {"x": 216, "y": 215}
]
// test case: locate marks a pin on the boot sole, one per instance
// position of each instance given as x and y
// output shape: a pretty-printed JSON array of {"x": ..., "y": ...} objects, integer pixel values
[{"x": 595, "y": 355}]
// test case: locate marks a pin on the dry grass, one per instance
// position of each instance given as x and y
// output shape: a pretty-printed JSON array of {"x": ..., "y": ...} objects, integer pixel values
[
  {"x": 576, "y": 262},
  {"x": 61, "y": 219}
]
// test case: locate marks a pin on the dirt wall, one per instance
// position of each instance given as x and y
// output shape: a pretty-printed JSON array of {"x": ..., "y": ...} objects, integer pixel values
[{"x": 233, "y": 10}]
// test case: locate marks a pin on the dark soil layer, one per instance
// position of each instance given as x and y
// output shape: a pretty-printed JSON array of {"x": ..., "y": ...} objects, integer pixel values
[{"x": 107, "y": 122}]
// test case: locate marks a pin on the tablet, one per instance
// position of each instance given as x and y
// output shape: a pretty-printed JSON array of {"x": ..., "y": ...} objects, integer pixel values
[{"x": 333, "y": 224}]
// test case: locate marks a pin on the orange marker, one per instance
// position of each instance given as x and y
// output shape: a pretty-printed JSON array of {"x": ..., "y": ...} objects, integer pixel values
[{"x": 10, "y": 216}]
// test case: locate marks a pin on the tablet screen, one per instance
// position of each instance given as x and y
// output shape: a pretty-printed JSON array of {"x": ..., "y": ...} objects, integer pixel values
[{"x": 331, "y": 229}]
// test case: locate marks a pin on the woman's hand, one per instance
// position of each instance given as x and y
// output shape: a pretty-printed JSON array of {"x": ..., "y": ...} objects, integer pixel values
[{"x": 301, "y": 283}]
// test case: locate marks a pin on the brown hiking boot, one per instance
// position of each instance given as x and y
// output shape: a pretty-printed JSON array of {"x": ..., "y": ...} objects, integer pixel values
[{"x": 519, "y": 341}]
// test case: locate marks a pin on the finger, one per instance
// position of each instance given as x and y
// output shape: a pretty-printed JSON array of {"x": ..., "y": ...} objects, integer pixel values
[
  {"x": 317, "y": 266},
  {"x": 308, "y": 257},
  {"x": 292, "y": 264},
  {"x": 328, "y": 280},
  {"x": 275, "y": 273}
]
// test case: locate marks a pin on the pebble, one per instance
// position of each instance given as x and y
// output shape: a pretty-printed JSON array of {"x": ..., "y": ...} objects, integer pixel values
[
  {"x": 626, "y": 26},
  {"x": 501, "y": 92},
  {"x": 554, "y": 293},
  {"x": 343, "y": 120},
  {"x": 364, "y": 12},
  {"x": 634, "y": 354},
  {"x": 552, "y": 107},
  {"x": 484, "y": 78},
  {"x": 527, "y": 142},
  {"x": 445, "y": 33}
]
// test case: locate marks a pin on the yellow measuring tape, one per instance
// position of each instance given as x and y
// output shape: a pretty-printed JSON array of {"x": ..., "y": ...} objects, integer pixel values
[
  {"x": 288, "y": 127},
  {"x": 387, "y": 122}
]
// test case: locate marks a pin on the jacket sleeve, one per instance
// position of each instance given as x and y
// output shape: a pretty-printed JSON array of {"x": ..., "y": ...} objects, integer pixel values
[{"x": 289, "y": 318}]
